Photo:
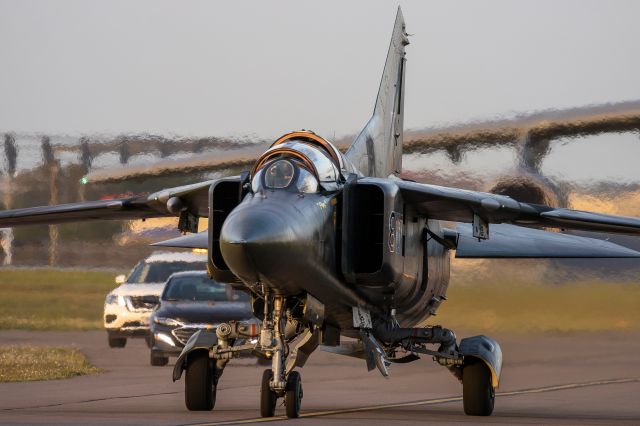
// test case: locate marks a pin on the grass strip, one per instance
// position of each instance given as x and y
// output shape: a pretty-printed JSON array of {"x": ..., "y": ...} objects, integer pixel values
[
  {"x": 31, "y": 363},
  {"x": 540, "y": 308},
  {"x": 53, "y": 299}
]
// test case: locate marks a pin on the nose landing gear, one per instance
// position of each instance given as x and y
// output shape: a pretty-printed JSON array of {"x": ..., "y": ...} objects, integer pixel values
[
  {"x": 277, "y": 381},
  {"x": 206, "y": 354}
]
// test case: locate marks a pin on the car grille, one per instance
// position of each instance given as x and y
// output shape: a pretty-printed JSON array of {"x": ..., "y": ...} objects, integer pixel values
[
  {"x": 184, "y": 333},
  {"x": 133, "y": 324},
  {"x": 144, "y": 303}
]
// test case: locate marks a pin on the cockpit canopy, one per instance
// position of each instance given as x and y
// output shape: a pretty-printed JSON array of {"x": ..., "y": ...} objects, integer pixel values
[
  {"x": 285, "y": 173},
  {"x": 279, "y": 174},
  {"x": 301, "y": 161}
]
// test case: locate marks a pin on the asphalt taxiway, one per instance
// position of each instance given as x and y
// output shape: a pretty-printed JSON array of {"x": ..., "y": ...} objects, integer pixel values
[{"x": 547, "y": 379}]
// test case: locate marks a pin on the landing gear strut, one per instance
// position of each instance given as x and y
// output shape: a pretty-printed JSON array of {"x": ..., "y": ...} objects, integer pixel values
[{"x": 277, "y": 381}]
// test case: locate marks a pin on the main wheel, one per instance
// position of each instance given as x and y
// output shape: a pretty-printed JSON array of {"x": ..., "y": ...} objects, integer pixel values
[
  {"x": 199, "y": 384},
  {"x": 478, "y": 395},
  {"x": 158, "y": 360},
  {"x": 293, "y": 395},
  {"x": 267, "y": 396},
  {"x": 117, "y": 342}
]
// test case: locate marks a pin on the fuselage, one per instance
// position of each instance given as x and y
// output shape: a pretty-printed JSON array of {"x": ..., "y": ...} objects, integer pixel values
[{"x": 287, "y": 237}]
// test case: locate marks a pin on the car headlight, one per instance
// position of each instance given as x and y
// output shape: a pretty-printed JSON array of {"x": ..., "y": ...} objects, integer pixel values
[
  {"x": 113, "y": 299},
  {"x": 164, "y": 338},
  {"x": 170, "y": 322}
]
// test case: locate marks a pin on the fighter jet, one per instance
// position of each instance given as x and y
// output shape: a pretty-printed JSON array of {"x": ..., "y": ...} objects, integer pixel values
[{"x": 337, "y": 250}]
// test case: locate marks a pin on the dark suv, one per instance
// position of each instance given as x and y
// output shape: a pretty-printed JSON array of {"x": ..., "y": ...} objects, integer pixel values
[{"x": 192, "y": 301}]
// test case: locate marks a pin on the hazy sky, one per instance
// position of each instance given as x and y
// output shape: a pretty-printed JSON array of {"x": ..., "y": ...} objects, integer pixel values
[{"x": 263, "y": 68}]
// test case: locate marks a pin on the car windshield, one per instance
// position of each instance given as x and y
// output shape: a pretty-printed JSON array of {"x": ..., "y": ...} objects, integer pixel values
[
  {"x": 159, "y": 272},
  {"x": 201, "y": 288}
]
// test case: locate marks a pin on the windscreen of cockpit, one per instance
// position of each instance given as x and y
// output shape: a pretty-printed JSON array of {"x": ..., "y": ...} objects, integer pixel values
[{"x": 285, "y": 173}]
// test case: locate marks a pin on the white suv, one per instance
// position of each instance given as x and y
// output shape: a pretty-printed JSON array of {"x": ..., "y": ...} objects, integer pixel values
[{"x": 127, "y": 308}]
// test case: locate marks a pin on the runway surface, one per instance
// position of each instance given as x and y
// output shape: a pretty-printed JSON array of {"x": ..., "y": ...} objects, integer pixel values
[{"x": 561, "y": 379}]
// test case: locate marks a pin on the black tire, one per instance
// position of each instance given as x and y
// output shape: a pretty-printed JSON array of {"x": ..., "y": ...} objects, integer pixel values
[
  {"x": 268, "y": 397},
  {"x": 117, "y": 342},
  {"x": 199, "y": 384},
  {"x": 158, "y": 360},
  {"x": 293, "y": 395},
  {"x": 478, "y": 395}
]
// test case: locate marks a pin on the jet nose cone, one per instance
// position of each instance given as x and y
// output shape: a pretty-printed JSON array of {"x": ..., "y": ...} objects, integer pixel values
[{"x": 253, "y": 241}]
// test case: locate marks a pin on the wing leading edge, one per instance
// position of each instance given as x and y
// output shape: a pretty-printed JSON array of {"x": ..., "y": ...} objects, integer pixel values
[
  {"x": 443, "y": 203},
  {"x": 168, "y": 202},
  {"x": 510, "y": 241}
]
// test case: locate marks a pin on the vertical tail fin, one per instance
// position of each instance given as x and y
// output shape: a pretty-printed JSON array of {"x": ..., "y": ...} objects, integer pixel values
[{"x": 377, "y": 151}]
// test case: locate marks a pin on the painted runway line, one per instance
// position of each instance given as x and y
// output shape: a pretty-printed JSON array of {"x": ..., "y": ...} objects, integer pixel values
[{"x": 434, "y": 401}]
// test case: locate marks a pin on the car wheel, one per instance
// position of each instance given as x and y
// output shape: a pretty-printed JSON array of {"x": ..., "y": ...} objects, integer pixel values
[
  {"x": 158, "y": 360},
  {"x": 117, "y": 342}
]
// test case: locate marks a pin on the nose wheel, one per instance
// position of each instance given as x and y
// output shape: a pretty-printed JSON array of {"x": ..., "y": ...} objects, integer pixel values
[
  {"x": 293, "y": 395},
  {"x": 267, "y": 396}
]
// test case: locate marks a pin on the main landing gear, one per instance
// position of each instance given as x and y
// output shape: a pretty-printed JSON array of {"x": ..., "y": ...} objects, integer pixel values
[
  {"x": 476, "y": 361},
  {"x": 200, "y": 383}
]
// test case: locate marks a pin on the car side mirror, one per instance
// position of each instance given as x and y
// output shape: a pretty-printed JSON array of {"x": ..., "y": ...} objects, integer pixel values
[{"x": 120, "y": 279}]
